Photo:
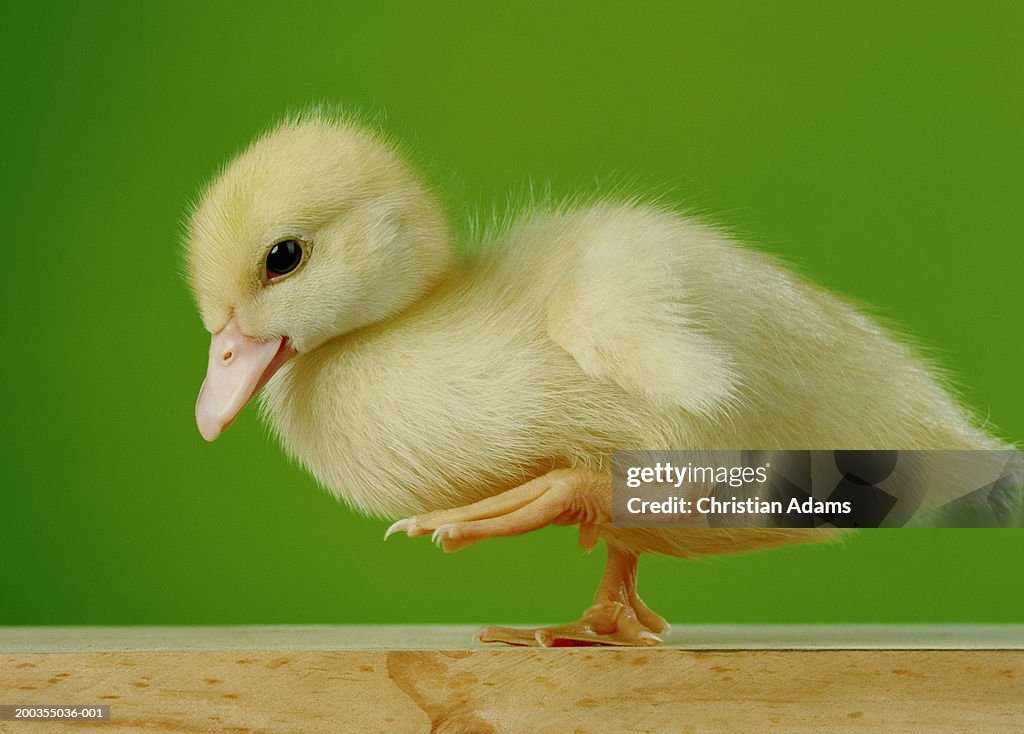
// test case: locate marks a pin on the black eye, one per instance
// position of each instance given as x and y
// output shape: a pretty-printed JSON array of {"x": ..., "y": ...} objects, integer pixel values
[{"x": 283, "y": 258}]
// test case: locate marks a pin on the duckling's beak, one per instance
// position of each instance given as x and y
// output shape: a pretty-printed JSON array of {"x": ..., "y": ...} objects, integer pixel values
[{"x": 239, "y": 366}]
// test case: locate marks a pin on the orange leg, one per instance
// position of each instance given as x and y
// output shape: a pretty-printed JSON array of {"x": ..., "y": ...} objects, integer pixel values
[
  {"x": 561, "y": 497},
  {"x": 617, "y": 617}
]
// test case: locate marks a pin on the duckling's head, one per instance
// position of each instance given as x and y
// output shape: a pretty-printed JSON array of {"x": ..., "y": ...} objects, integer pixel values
[{"x": 317, "y": 229}]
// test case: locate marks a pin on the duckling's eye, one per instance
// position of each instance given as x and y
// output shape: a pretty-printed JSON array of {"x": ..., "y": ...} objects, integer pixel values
[{"x": 283, "y": 258}]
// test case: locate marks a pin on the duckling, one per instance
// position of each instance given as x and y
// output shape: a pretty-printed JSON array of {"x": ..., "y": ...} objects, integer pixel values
[{"x": 480, "y": 396}]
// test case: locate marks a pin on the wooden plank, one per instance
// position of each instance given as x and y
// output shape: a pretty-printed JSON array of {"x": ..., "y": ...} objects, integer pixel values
[{"x": 401, "y": 689}]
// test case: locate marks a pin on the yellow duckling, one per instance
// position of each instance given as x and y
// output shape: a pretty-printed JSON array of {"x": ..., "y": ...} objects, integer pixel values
[{"x": 483, "y": 396}]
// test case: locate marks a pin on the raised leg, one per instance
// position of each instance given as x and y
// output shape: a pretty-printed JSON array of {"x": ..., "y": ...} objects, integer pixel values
[{"x": 561, "y": 497}]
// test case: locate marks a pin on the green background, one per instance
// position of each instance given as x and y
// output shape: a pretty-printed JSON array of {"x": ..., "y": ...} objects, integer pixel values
[{"x": 876, "y": 145}]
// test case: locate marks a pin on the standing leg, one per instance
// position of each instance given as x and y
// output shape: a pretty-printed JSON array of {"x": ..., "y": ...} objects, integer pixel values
[{"x": 617, "y": 617}]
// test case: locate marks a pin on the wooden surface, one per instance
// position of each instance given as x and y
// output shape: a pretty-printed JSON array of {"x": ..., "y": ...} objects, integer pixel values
[{"x": 331, "y": 679}]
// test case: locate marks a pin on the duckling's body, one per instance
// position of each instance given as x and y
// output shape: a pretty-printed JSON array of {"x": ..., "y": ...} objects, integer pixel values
[
  {"x": 468, "y": 393},
  {"x": 574, "y": 334}
]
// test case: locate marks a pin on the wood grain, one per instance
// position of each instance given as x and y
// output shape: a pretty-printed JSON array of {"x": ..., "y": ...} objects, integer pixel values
[{"x": 480, "y": 690}]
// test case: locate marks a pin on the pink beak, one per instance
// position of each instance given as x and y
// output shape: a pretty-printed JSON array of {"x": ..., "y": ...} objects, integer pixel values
[{"x": 239, "y": 366}]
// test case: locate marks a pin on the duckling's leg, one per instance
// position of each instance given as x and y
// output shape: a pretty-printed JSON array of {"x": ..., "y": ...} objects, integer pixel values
[
  {"x": 560, "y": 497},
  {"x": 618, "y": 616}
]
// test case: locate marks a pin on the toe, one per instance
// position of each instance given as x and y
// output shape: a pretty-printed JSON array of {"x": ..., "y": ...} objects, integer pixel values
[
  {"x": 506, "y": 635},
  {"x": 402, "y": 526},
  {"x": 650, "y": 620},
  {"x": 453, "y": 537}
]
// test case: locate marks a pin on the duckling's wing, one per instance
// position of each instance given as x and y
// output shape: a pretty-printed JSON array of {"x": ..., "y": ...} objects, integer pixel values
[{"x": 629, "y": 310}]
